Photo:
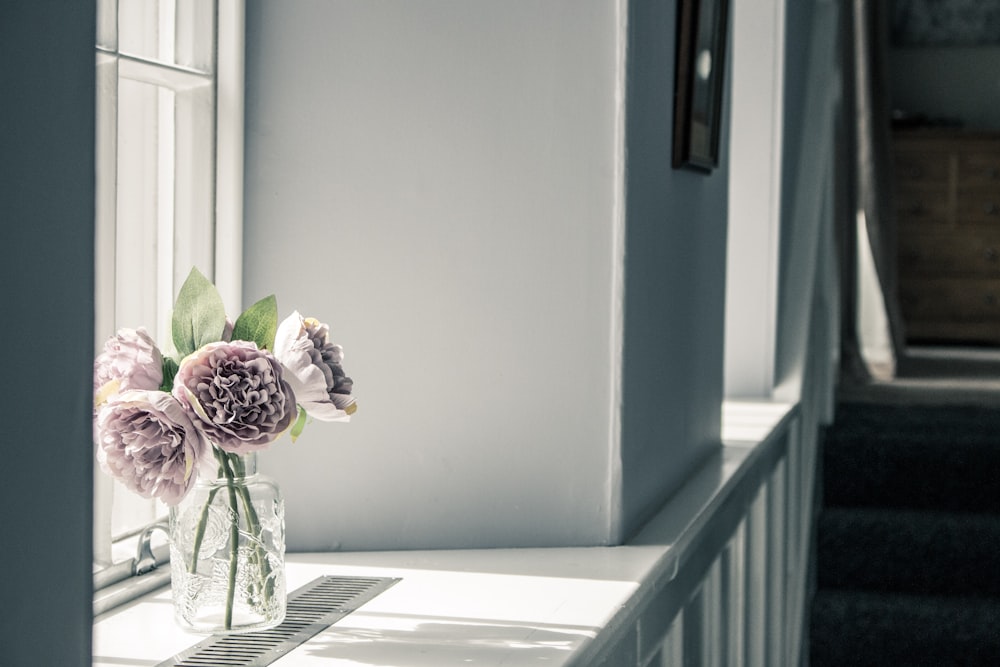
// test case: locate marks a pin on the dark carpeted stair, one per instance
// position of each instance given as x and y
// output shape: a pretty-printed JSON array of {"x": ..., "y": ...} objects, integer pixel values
[
  {"x": 908, "y": 537},
  {"x": 854, "y": 628}
]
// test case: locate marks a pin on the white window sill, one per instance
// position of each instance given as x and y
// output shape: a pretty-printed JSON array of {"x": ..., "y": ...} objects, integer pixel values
[{"x": 565, "y": 606}]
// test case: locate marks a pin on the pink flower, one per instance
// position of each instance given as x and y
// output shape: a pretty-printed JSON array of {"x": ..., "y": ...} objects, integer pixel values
[
  {"x": 314, "y": 366},
  {"x": 146, "y": 440},
  {"x": 236, "y": 394},
  {"x": 130, "y": 360}
]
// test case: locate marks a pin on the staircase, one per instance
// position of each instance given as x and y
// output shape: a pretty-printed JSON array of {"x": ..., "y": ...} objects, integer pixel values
[{"x": 908, "y": 537}]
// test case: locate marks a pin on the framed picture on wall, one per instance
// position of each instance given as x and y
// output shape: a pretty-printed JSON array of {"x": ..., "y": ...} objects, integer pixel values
[{"x": 701, "y": 56}]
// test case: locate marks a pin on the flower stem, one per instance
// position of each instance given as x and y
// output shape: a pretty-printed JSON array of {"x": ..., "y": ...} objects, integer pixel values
[
  {"x": 254, "y": 527},
  {"x": 199, "y": 534},
  {"x": 234, "y": 539}
]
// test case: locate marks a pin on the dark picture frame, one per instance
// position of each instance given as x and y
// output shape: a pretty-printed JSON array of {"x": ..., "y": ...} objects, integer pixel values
[{"x": 698, "y": 91}]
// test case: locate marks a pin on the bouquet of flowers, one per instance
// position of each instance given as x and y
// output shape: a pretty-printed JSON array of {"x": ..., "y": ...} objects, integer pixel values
[{"x": 229, "y": 389}]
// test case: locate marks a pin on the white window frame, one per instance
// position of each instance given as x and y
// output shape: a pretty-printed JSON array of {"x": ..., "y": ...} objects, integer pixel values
[{"x": 187, "y": 196}]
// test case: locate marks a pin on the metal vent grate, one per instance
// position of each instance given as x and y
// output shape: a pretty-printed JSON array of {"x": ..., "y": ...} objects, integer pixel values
[{"x": 311, "y": 609}]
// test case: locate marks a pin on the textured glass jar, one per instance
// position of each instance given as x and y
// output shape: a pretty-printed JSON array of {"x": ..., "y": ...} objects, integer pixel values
[{"x": 227, "y": 551}]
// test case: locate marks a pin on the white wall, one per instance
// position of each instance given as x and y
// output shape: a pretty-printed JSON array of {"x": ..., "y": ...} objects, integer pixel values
[
  {"x": 675, "y": 274},
  {"x": 754, "y": 196},
  {"x": 812, "y": 102},
  {"x": 441, "y": 181}
]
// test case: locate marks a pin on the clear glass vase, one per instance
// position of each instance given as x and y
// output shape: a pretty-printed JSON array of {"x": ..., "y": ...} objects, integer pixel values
[{"x": 227, "y": 551}]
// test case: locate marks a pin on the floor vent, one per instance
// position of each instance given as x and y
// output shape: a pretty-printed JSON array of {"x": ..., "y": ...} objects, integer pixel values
[{"x": 311, "y": 609}]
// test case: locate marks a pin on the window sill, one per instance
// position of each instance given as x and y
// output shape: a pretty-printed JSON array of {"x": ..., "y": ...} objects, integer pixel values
[{"x": 564, "y": 606}]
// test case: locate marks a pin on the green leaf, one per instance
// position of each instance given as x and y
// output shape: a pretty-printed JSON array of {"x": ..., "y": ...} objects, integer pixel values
[
  {"x": 259, "y": 323},
  {"x": 199, "y": 315},
  {"x": 169, "y": 372},
  {"x": 299, "y": 424}
]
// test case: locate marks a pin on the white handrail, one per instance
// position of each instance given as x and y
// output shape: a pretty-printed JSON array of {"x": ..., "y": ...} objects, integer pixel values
[{"x": 730, "y": 586}]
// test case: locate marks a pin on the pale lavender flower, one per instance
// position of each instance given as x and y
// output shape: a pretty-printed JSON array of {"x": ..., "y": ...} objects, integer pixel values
[
  {"x": 236, "y": 394},
  {"x": 315, "y": 369},
  {"x": 147, "y": 440},
  {"x": 130, "y": 360}
]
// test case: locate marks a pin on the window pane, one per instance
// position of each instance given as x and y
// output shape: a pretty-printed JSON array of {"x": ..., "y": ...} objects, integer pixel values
[
  {"x": 107, "y": 24},
  {"x": 139, "y": 25},
  {"x": 139, "y": 196},
  {"x": 196, "y": 34},
  {"x": 165, "y": 198},
  {"x": 130, "y": 511},
  {"x": 194, "y": 184},
  {"x": 178, "y": 32}
]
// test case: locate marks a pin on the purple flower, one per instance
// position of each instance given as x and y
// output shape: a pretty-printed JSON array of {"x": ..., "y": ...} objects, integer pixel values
[
  {"x": 236, "y": 394},
  {"x": 146, "y": 440},
  {"x": 314, "y": 368},
  {"x": 130, "y": 360}
]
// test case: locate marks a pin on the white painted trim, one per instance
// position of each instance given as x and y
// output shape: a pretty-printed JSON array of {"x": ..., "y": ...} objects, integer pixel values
[
  {"x": 106, "y": 151},
  {"x": 174, "y": 77},
  {"x": 166, "y": 192},
  {"x": 776, "y": 164},
  {"x": 615, "y": 527},
  {"x": 229, "y": 153}
]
